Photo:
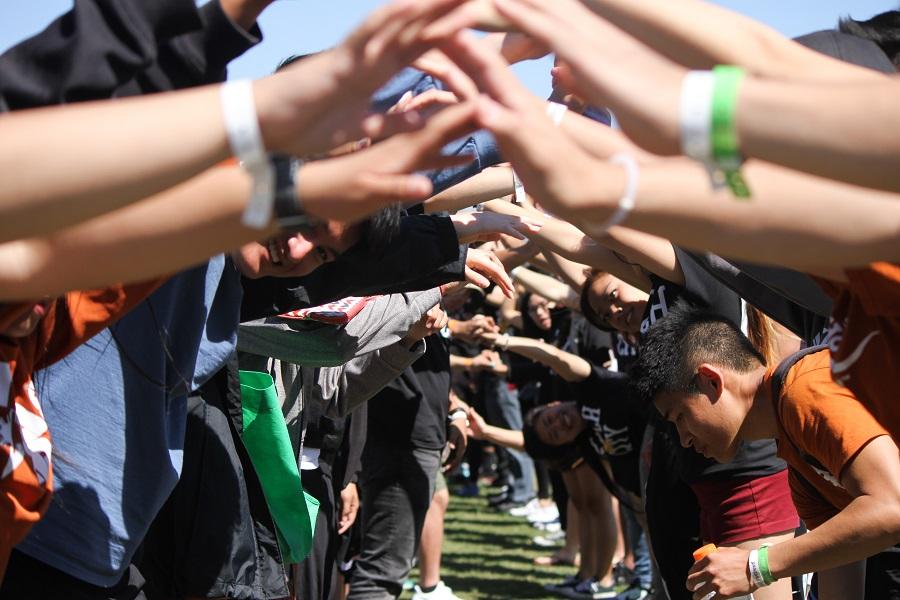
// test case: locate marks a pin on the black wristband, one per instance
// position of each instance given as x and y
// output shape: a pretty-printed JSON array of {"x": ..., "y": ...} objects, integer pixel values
[{"x": 289, "y": 215}]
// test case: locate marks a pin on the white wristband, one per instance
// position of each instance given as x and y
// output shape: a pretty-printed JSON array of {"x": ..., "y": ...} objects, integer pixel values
[
  {"x": 519, "y": 190},
  {"x": 696, "y": 115},
  {"x": 755, "y": 572},
  {"x": 627, "y": 201},
  {"x": 556, "y": 112},
  {"x": 245, "y": 139}
]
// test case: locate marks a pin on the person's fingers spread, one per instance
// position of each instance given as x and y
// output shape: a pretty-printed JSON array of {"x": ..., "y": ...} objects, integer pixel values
[
  {"x": 461, "y": 18},
  {"x": 439, "y": 66}
]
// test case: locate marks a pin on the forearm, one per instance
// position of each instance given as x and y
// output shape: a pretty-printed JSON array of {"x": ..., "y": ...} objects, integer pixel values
[
  {"x": 864, "y": 528},
  {"x": 180, "y": 134},
  {"x": 725, "y": 37},
  {"x": 163, "y": 234},
  {"x": 793, "y": 220},
  {"x": 571, "y": 272},
  {"x": 567, "y": 365},
  {"x": 548, "y": 287},
  {"x": 504, "y": 437},
  {"x": 776, "y": 122},
  {"x": 489, "y": 184}
]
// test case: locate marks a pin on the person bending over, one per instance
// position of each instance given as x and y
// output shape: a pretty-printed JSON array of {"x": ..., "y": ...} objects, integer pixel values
[{"x": 704, "y": 376}]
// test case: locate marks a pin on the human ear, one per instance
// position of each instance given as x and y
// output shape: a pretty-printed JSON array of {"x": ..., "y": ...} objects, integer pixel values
[{"x": 710, "y": 380}]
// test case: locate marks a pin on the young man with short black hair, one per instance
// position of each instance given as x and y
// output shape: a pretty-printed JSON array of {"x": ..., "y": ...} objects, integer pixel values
[{"x": 705, "y": 377}]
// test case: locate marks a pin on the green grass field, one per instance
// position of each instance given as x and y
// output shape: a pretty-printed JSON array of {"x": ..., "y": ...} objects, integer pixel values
[{"x": 489, "y": 555}]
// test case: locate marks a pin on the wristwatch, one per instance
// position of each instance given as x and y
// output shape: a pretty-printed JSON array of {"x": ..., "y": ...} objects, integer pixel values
[
  {"x": 458, "y": 414},
  {"x": 289, "y": 214}
]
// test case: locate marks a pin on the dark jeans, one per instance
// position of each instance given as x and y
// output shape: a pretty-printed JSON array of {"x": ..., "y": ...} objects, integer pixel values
[
  {"x": 315, "y": 575},
  {"x": 395, "y": 486},
  {"x": 503, "y": 410}
]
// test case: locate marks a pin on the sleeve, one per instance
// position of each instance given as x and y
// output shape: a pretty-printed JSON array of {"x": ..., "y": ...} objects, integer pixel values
[
  {"x": 199, "y": 57},
  {"x": 602, "y": 386},
  {"x": 91, "y": 51},
  {"x": 878, "y": 288},
  {"x": 355, "y": 439},
  {"x": 481, "y": 145},
  {"x": 825, "y": 420},
  {"x": 700, "y": 284},
  {"x": 425, "y": 254},
  {"x": 789, "y": 297},
  {"x": 342, "y": 389},
  {"x": 81, "y": 315},
  {"x": 383, "y": 322}
]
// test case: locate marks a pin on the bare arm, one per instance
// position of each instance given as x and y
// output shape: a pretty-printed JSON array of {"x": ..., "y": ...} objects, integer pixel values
[
  {"x": 570, "y": 367},
  {"x": 480, "y": 430},
  {"x": 63, "y": 165},
  {"x": 147, "y": 239},
  {"x": 869, "y": 524},
  {"x": 491, "y": 183},
  {"x": 849, "y": 226},
  {"x": 700, "y": 35},
  {"x": 550, "y": 288}
]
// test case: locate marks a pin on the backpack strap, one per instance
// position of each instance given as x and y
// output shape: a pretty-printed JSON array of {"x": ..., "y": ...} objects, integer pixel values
[{"x": 778, "y": 378}]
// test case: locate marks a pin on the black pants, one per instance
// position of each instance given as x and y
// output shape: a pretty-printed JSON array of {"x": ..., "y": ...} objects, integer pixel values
[
  {"x": 30, "y": 579},
  {"x": 315, "y": 575},
  {"x": 396, "y": 485},
  {"x": 214, "y": 537}
]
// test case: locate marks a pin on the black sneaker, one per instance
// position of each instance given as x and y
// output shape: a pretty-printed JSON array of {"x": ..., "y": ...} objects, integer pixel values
[
  {"x": 566, "y": 584},
  {"x": 634, "y": 592}
]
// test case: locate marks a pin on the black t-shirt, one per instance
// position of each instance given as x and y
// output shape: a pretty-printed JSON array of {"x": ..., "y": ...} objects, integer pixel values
[
  {"x": 615, "y": 424},
  {"x": 412, "y": 409},
  {"x": 754, "y": 459}
]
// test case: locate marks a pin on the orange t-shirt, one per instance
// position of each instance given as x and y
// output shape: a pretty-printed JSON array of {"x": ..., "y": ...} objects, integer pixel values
[
  {"x": 864, "y": 339},
  {"x": 26, "y": 476},
  {"x": 821, "y": 427}
]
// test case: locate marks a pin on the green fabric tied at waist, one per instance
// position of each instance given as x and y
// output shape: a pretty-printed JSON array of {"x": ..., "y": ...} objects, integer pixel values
[{"x": 267, "y": 441}]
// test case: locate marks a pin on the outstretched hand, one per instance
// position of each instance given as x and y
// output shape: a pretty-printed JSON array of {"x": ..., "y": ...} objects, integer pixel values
[
  {"x": 349, "y": 187},
  {"x": 490, "y": 226},
  {"x": 483, "y": 267}
]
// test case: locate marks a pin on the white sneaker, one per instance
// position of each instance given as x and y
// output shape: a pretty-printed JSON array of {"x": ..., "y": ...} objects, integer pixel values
[
  {"x": 527, "y": 510},
  {"x": 440, "y": 592},
  {"x": 544, "y": 514}
]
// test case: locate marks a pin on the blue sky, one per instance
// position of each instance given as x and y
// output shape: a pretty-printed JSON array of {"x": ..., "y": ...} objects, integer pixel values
[{"x": 300, "y": 26}]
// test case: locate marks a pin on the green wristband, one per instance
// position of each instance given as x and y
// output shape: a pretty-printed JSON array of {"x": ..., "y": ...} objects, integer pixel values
[
  {"x": 763, "y": 555},
  {"x": 725, "y": 147}
]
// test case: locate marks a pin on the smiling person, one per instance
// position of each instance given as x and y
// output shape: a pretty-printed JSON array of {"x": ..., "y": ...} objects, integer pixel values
[{"x": 705, "y": 377}]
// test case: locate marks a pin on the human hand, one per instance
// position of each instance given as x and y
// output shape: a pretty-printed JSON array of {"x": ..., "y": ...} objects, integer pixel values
[
  {"x": 483, "y": 267},
  {"x": 322, "y": 101},
  {"x": 489, "y": 361},
  {"x": 489, "y": 226},
  {"x": 471, "y": 329},
  {"x": 431, "y": 322},
  {"x": 724, "y": 572},
  {"x": 579, "y": 186},
  {"x": 349, "y": 187},
  {"x": 477, "y": 425},
  {"x": 435, "y": 63},
  {"x": 457, "y": 442},
  {"x": 491, "y": 338},
  {"x": 606, "y": 66},
  {"x": 349, "y": 508}
]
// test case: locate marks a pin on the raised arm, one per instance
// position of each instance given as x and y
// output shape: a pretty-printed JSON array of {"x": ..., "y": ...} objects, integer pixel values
[
  {"x": 549, "y": 287},
  {"x": 794, "y": 220},
  {"x": 491, "y": 183},
  {"x": 71, "y": 163},
  {"x": 570, "y": 367},
  {"x": 144, "y": 240},
  {"x": 700, "y": 35}
]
